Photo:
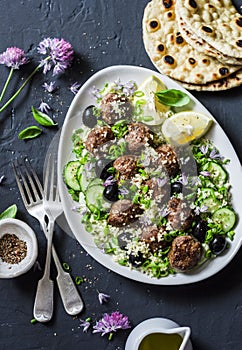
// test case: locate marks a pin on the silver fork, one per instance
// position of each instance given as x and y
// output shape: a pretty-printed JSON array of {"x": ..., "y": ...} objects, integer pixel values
[{"x": 33, "y": 202}]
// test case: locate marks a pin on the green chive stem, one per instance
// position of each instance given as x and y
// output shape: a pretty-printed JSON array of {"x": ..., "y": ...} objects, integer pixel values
[{"x": 6, "y": 84}]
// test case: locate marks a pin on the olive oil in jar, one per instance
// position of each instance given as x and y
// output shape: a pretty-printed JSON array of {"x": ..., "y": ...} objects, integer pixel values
[{"x": 161, "y": 341}]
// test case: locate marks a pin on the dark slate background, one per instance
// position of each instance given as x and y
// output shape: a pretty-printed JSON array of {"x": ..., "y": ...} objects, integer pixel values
[{"x": 103, "y": 33}]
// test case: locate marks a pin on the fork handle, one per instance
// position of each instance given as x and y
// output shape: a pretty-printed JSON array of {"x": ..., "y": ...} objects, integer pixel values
[
  {"x": 71, "y": 299},
  {"x": 43, "y": 305}
]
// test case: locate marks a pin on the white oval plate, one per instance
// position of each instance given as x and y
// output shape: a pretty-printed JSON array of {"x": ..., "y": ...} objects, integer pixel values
[{"x": 73, "y": 121}]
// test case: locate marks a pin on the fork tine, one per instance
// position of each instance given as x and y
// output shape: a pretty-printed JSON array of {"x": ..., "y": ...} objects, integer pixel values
[
  {"x": 47, "y": 185},
  {"x": 36, "y": 178},
  {"x": 32, "y": 184},
  {"x": 21, "y": 190}
]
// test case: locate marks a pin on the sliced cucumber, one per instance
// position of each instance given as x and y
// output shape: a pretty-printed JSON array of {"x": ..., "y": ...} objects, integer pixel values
[
  {"x": 94, "y": 198},
  {"x": 217, "y": 173},
  {"x": 83, "y": 181},
  {"x": 207, "y": 198},
  {"x": 96, "y": 182},
  {"x": 226, "y": 217},
  {"x": 70, "y": 175},
  {"x": 212, "y": 203},
  {"x": 205, "y": 193}
]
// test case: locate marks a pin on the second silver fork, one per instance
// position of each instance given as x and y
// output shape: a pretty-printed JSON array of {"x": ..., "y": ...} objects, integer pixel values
[{"x": 71, "y": 299}]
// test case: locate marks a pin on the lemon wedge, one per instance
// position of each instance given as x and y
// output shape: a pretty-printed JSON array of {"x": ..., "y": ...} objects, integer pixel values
[
  {"x": 186, "y": 126},
  {"x": 154, "y": 112}
]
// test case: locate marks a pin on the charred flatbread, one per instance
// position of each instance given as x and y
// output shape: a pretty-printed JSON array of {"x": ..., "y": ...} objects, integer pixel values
[
  {"x": 169, "y": 51},
  {"x": 215, "y": 21}
]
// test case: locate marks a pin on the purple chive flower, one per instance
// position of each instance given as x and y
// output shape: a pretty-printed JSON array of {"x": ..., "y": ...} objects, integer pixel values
[
  {"x": 109, "y": 181},
  {"x": 13, "y": 57},
  {"x": 95, "y": 92},
  {"x": 49, "y": 87},
  {"x": 214, "y": 154},
  {"x": 205, "y": 173},
  {"x": 164, "y": 212},
  {"x": 128, "y": 89},
  {"x": 183, "y": 179},
  {"x": 75, "y": 87},
  {"x": 111, "y": 323},
  {"x": 201, "y": 209},
  {"x": 123, "y": 191},
  {"x": 103, "y": 298},
  {"x": 145, "y": 220},
  {"x": 85, "y": 324},
  {"x": 59, "y": 55},
  {"x": 44, "y": 107},
  {"x": 204, "y": 149},
  {"x": 161, "y": 182},
  {"x": 76, "y": 209}
]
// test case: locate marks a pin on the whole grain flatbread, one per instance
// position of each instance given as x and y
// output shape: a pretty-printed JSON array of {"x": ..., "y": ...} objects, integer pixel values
[
  {"x": 201, "y": 45},
  {"x": 216, "y": 21},
  {"x": 232, "y": 81},
  {"x": 171, "y": 54}
]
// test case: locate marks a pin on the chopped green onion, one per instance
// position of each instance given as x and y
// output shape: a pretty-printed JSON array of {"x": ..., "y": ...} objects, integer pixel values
[
  {"x": 66, "y": 266},
  {"x": 79, "y": 280},
  {"x": 33, "y": 321},
  {"x": 138, "y": 93}
]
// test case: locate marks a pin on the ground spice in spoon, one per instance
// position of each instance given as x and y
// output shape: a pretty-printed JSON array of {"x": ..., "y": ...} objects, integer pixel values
[{"x": 12, "y": 249}]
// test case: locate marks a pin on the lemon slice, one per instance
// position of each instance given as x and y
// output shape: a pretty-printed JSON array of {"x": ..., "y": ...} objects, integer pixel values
[
  {"x": 184, "y": 127},
  {"x": 154, "y": 112}
]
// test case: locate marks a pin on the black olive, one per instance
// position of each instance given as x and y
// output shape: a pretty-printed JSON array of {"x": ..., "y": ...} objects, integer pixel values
[
  {"x": 123, "y": 239},
  {"x": 137, "y": 259},
  {"x": 101, "y": 167},
  {"x": 217, "y": 245},
  {"x": 176, "y": 187},
  {"x": 88, "y": 117},
  {"x": 200, "y": 230},
  {"x": 111, "y": 192}
]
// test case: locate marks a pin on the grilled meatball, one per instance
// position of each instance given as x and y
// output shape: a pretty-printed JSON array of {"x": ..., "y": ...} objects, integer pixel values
[
  {"x": 115, "y": 107},
  {"x": 126, "y": 166},
  {"x": 168, "y": 159},
  {"x": 160, "y": 190},
  {"x": 185, "y": 253},
  {"x": 180, "y": 216},
  {"x": 98, "y": 137},
  {"x": 152, "y": 235},
  {"x": 123, "y": 212},
  {"x": 138, "y": 136}
]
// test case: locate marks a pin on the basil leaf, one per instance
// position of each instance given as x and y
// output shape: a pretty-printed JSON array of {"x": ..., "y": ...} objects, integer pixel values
[
  {"x": 29, "y": 133},
  {"x": 10, "y": 212},
  {"x": 172, "y": 97},
  {"x": 42, "y": 118}
]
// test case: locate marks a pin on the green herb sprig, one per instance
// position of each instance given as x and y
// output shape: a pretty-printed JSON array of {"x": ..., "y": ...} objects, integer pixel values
[{"x": 173, "y": 98}]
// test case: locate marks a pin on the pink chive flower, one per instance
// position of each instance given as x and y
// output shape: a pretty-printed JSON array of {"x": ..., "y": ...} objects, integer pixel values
[
  {"x": 111, "y": 323},
  {"x": 49, "y": 87},
  {"x": 85, "y": 324},
  {"x": 13, "y": 57},
  {"x": 75, "y": 87},
  {"x": 59, "y": 55},
  {"x": 109, "y": 181},
  {"x": 95, "y": 92},
  {"x": 103, "y": 298},
  {"x": 205, "y": 173},
  {"x": 44, "y": 107}
]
